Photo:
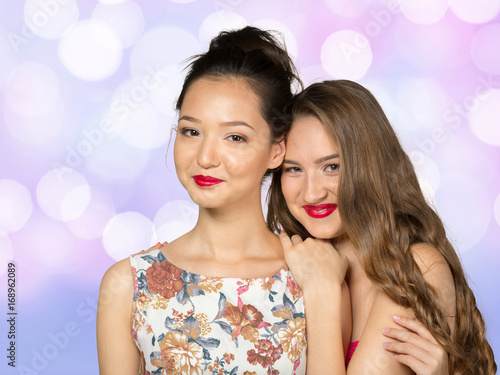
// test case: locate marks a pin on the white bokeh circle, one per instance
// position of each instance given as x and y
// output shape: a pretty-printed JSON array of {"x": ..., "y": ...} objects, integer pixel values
[
  {"x": 16, "y": 206},
  {"x": 346, "y": 54},
  {"x": 136, "y": 121},
  {"x": 63, "y": 194},
  {"x": 424, "y": 99},
  {"x": 485, "y": 49},
  {"x": 35, "y": 130},
  {"x": 125, "y": 18},
  {"x": 220, "y": 21},
  {"x": 32, "y": 90},
  {"x": 145, "y": 129},
  {"x": 484, "y": 120},
  {"x": 174, "y": 219},
  {"x": 50, "y": 19},
  {"x": 424, "y": 12},
  {"x": 128, "y": 233},
  {"x": 91, "y": 50},
  {"x": 475, "y": 11},
  {"x": 90, "y": 225}
]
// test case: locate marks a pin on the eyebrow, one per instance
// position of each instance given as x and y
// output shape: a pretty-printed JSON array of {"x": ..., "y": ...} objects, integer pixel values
[
  {"x": 190, "y": 119},
  {"x": 225, "y": 123},
  {"x": 317, "y": 161}
]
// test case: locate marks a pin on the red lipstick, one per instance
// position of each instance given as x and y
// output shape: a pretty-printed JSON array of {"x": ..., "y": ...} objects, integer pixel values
[
  {"x": 320, "y": 211},
  {"x": 206, "y": 181}
]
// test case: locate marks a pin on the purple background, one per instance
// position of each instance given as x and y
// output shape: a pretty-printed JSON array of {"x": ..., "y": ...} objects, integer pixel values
[{"x": 86, "y": 101}]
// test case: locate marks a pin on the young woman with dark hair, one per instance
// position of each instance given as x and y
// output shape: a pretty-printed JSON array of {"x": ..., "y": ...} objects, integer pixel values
[
  {"x": 219, "y": 299},
  {"x": 347, "y": 181}
]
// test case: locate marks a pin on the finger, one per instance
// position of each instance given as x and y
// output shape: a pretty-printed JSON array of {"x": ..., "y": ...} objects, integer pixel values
[
  {"x": 404, "y": 336},
  {"x": 415, "y": 326},
  {"x": 417, "y": 366},
  {"x": 401, "y": 348},
  {"x": 285, "y": 241},
  {"x": 296, "y": 239}
]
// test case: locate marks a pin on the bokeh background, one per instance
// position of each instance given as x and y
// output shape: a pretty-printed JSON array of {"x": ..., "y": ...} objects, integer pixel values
[{"x": 86, "y": 98}]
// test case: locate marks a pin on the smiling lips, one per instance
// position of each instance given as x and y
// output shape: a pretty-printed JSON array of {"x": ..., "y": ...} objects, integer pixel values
[
  {"x": 320, "y": 211},
  {"x": 206, "y": 181}
]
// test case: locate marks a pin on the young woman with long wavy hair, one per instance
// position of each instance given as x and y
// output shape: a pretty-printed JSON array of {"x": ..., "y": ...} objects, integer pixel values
[{"x": 347, "y": 181}]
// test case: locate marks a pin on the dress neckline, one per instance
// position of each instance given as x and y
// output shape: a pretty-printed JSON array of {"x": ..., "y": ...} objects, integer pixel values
[{"x": 162, "y": 258}]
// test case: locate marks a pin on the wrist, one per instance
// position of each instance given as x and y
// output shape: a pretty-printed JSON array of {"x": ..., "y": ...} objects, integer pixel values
[{"x": 321, "y": 294}]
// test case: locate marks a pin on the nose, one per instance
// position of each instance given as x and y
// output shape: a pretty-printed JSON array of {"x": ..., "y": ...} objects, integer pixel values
[
  {"x": 208, "y": 156},
  {"x": 314, "y": 189}
]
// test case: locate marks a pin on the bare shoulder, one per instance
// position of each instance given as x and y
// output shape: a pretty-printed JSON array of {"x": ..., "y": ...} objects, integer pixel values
[
  {"x": 116, "y": 348},
  {"x": 433, "y": 265},
  {"x": 436, "y": 272},
  {"x": 117, "y": 285},
  {"x": 119, "y": 277}
]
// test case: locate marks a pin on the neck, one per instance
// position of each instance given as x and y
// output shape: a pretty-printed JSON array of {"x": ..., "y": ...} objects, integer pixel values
[
  {"x": 232, "y": 233},
  {"x": 345, "y": 247}
]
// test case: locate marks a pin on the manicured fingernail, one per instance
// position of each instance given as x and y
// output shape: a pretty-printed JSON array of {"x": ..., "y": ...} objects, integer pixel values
[
  {"x": 386, "y": 345},
  {"x": 397, "y": 317},
  {"x": 385, "y": 330}
]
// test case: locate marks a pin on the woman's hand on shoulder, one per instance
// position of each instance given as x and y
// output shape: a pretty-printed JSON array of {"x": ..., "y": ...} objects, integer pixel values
[
  {"x": 416, "y": 348},
  {"x": 314, "y": 263}
]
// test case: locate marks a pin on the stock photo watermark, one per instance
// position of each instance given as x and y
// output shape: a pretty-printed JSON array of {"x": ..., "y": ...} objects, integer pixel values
[
  {"x": 48, "y": 9},
  {"x": 11, "y": 315},
  {"x": 454, "y": 118},
  {"x": 108, "y": 126},
  {"x": 380, "y": 20},
  {"x": 60, "y": 340}
]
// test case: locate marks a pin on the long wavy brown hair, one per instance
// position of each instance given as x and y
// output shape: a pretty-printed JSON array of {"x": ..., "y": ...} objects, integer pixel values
[{"x": 384, "y": 213}]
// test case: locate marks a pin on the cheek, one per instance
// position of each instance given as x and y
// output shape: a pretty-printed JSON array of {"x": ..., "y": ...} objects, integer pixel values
[
  {"x": 290, "y": 189},
  {"x": 247, "y": 161},
  {"x": 183, "y": 154}
]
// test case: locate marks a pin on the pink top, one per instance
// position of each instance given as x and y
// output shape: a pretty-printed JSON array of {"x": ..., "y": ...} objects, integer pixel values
[{"x": 350, "y": 353}]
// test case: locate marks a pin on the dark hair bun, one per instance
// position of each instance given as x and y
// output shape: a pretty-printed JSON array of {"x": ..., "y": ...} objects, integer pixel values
[{"x": 256, "y": 56}]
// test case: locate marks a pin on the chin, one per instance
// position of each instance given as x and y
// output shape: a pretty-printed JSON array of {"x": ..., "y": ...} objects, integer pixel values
[{"x": 325, "y": 233}]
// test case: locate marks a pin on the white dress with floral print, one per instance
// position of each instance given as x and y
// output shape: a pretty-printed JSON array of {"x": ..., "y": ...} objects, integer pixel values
[{"x": 185, "y": 323}]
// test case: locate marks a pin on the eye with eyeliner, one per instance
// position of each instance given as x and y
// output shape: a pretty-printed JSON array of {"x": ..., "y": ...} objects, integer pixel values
[
  {"x": 189, "y": 132},
  {"x": 236, "y": 138},
  {"x": 292, "y": 170}
]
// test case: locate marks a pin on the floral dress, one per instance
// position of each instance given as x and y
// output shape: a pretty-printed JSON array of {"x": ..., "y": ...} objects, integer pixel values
[{"x": 185, "y": 323}]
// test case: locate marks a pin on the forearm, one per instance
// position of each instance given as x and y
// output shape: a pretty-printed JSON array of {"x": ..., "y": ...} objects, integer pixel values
[{"x": 325, "y": 354}]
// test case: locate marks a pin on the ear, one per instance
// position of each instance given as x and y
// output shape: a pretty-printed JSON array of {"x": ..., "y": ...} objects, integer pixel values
[{"x": 277, "y": 154}]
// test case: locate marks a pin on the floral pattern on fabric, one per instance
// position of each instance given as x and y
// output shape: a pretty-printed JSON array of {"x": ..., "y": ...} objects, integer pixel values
[{"x": 185, "y": 323}]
